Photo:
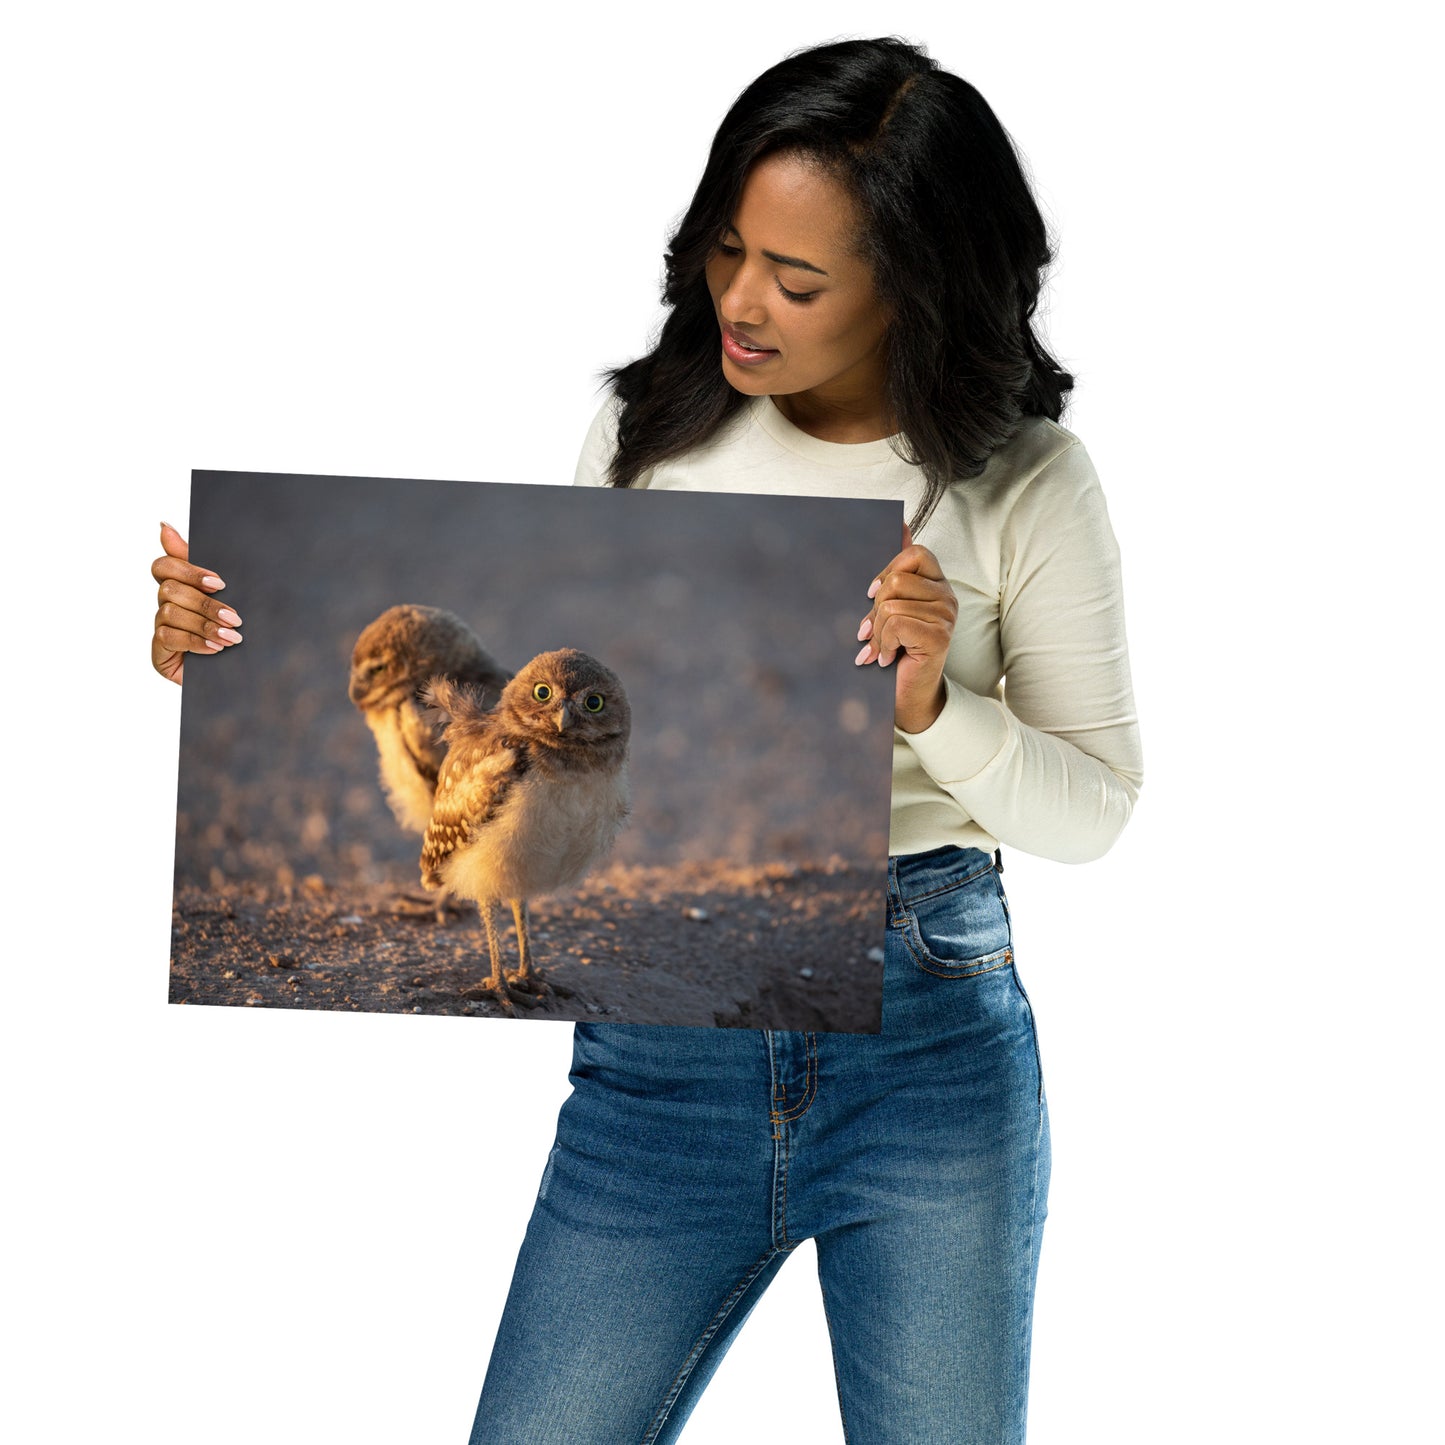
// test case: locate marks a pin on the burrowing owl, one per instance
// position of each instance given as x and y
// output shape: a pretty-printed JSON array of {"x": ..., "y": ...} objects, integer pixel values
[
  {"x": 394, "y": 658},
  {"x": 530, "y": 795}
]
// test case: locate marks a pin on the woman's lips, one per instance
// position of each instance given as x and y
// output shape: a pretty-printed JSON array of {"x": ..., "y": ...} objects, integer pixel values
[{"x": 741, "y": 348}]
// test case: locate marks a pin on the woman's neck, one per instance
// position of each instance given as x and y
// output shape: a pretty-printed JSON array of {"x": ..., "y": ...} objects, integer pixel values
[{"x": 838, "y": 420}]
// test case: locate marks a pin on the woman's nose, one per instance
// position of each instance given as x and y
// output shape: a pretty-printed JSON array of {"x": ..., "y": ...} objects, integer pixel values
[{"x": 742, "y": 300}]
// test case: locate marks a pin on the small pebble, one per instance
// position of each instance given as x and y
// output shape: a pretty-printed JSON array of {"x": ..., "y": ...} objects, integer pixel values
[
  {"x": 350, "y": 918},
  {"x": 805, "y": 973},
  {"x": 698, "y": 915},
  {"x": 875, "y": 955}
]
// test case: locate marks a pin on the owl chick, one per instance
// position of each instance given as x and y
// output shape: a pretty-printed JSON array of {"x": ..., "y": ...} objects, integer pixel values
[
  {"x": 394, "y": 658},
  {"x": 530, "y": 795}
]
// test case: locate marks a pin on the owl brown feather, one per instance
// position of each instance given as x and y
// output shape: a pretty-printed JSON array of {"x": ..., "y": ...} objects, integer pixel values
[
  {"x": 465, "y": 803},
  {"x": 394, "y": 658}
]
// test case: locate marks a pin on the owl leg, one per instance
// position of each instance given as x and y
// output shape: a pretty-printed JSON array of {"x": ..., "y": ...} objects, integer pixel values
[
  {"x": 526, "y": 977},
  {"x": 496, "y": 985}
]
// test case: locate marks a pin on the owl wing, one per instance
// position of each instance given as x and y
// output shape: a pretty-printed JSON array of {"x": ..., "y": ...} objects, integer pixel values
[
  {"x": 440, "y": 700},
  {"x": 476, "y": 777},
  {"x": 422, "y": 741}
]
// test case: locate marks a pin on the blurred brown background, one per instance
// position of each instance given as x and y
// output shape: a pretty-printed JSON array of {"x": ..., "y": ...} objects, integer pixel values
[{"x": 730, "y": 620}]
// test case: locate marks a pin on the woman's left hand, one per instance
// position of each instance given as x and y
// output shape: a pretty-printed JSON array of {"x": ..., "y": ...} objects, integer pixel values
[{"x": 911, "y": 624}]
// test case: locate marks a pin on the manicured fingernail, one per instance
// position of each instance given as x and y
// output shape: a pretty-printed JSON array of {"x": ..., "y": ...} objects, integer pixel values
[
  {"x": 863, "y": 654},
  {"x": 866, "y": 630},
  {"x": 214, "y": 583},
  {"x": 230, "y": 616},
  {"x": 228, "y": 634},
  {"x": 215, "y": 646},
  {"x": 877, "y": 583}
]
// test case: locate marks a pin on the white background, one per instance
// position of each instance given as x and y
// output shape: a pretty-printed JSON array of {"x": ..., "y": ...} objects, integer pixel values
[{"x": 401, "y": 241}]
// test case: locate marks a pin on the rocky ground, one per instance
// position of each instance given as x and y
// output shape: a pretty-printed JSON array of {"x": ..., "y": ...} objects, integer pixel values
[{"x": 700, "y": 944}]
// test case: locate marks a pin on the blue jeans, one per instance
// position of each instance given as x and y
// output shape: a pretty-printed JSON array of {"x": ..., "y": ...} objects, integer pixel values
[{"x": 689, "y": 1163}]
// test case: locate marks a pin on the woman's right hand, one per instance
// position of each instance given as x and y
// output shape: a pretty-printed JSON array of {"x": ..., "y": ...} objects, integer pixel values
[{"x": 189, "y": 618}]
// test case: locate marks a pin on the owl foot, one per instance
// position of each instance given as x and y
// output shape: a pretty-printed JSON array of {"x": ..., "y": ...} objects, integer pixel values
[
  {"x": 534, "y": 983},
  {"x": 503, "y": 995},
  {"x": 530, "y": 982},
  {"x": 487, "y": 992}
]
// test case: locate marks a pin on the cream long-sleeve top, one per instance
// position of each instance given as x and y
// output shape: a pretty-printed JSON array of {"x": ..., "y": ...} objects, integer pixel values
[{"x": 1037, "y": 746}]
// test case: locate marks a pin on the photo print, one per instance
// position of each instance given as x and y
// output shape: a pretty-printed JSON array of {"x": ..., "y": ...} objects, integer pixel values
[{"x": 538, "y": 752}]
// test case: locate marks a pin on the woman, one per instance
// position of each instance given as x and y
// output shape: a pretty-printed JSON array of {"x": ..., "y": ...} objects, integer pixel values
[{"x": 850, "y": 301}]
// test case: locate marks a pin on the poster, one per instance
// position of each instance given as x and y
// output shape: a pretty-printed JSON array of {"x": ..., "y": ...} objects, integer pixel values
[{"x": 745, "y": 886}]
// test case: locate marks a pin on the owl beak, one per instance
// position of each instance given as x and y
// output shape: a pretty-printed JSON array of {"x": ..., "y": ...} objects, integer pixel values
[{"x": 564, "y": 717}]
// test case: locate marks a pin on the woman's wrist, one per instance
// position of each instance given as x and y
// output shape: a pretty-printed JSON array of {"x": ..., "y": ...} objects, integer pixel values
[{"x": 919, "y": 717}]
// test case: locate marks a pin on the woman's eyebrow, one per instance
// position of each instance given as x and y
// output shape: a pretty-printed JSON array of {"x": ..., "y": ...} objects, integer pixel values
[{"x": 795, "y": 261}]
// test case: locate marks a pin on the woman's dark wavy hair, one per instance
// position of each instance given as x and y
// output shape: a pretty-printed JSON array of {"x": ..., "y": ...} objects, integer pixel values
[{"x": 950, "y": 228}]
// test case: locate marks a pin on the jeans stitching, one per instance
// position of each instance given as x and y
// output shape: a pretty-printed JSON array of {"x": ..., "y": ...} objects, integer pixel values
[
  {"x": 778, "y": 1118},
  {"x": 703, "y": 1340},
  {"x": 810, "y": 1087},
  {"x": 965, "y": 968},
  {"x": 782, "y": 1161},
  {"x": 1033, "y": 1033}
]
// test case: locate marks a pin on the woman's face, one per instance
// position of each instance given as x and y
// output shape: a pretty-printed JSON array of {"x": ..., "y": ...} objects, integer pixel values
[{"x": 796, "y": 305}]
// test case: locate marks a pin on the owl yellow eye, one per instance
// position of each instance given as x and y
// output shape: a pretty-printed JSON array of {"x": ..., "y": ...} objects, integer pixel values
[
  {"x": 595, "y": 702},
  {"x": 542, "y": 692}
]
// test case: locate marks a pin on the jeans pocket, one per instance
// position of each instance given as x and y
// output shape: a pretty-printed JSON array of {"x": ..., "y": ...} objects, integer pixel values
[{"x": 962, "y": 930}]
